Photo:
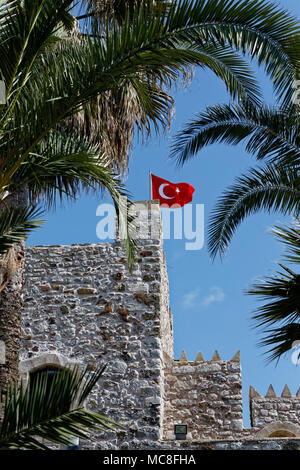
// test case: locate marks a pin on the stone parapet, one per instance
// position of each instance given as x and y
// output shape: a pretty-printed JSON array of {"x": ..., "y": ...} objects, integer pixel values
[
  {"x": 272, "y": 408},
  {"x": 204, "y": 395}
]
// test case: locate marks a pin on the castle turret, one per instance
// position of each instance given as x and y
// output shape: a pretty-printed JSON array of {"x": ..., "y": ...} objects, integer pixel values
[{"x": 81, "y": 305}]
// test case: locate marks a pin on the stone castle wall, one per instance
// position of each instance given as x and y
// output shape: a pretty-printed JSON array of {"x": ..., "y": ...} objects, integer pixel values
[
  {"x": 265, "y": 411},
  {"x": 82, "y": 306},
  {"x": 205, "y": 395}
]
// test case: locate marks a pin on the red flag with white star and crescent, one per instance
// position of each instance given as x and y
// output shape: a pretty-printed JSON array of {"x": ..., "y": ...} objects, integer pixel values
[{"x": 171, "y": 194}]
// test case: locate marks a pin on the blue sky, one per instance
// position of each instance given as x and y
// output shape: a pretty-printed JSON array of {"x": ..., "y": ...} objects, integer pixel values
[{"x": 210, "y": 308}]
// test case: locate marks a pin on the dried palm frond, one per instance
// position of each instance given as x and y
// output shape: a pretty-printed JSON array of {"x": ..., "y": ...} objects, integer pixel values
[
  {"x": 111, "y": 10},
  {"x": 112, "y": 119}
]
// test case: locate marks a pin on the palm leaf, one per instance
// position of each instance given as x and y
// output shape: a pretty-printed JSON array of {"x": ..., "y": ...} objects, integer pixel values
[
  {"x": 282, "y": 308},
  {"x": 283, "y": 290},
  {"x": 269, "y": 133},
  {"x": 15, "y": 224},
  {"x": 28, "y": 28},
  {"x": 56, "y": 101},
  {"x": 112, "y": 119},
  {"x": 64, "y": 166},
  {"x": 52, "y": 411},
  {"x": 290, "y": 236},
  {"x": 282, "y": 339},
  {"x": 269, "y": 189},
  {"x": 279, "y": 317},
  {"x": 256, "y": 27},
  {"x": 163, "y": 46}
]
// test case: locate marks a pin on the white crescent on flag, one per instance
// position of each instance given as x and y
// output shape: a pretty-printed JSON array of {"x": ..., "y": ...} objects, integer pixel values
[{"x": 161, "y": 191}]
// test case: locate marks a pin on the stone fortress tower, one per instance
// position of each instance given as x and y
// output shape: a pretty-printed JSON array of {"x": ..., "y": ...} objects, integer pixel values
[{"x": 81, "y": 306}]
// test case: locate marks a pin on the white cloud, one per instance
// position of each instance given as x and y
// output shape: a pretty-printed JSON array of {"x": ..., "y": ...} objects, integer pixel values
[
  {"x": 193, "y": 299},
  {"x": 216, "y": 295},
  {"x": 190, "y": 300}
]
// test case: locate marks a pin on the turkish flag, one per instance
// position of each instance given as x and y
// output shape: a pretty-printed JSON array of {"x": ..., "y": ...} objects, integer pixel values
[{"x": 169, "y": 193}]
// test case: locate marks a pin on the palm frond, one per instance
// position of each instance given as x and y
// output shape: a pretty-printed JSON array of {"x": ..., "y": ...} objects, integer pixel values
[
  {"x": 268, "y": 189},
  {"x": 142, "y": 103},
  {"x": 258, "y": 28},
  {"x": 112, "y": 119},
  {"x": 55, "y": 101},
  {"x": 282, "y": 339},
  {"x": 283, "y": 309},
  {"x": 63, "y": 165},
  {"x": 66, "y": 165},
  {"x": 232, "y": 70},
  {"x": 290, "y": 236},
  {"x": 281, "y": 296},
  {"x": 283, "y": 290},
  {"x": 163, "y": 46},
  {"x": 15, "y": 224},
  {"x": 51, "y": 410},
  {"x": 269, "y": 133},
  {"x": 28, "y": 28}
]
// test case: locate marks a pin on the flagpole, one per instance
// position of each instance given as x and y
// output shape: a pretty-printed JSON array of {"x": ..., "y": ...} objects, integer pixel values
[{"x": 150, "y": 188}]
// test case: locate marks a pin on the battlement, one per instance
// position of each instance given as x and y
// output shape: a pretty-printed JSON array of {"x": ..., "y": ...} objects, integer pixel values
[
  {"x": 199, "y": 358},
  {"x": 205, "y": 395},
  {"x": 271, "y": 408},
  {"x": 271, "y": 393}
]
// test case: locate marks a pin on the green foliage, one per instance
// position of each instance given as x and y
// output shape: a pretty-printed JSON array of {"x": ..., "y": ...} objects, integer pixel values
[
  {"x": 271, "y": 135},
  {"x": 46, "y": 160},
  {"x": 282, "y": 293},
  {"x": 15, "y": 224},
  {"x": 199, "y": 33},
  {"x": 270, "y": 189},
  {"x": 268, "y": 133},
  {"x": 52, "y": 411}
]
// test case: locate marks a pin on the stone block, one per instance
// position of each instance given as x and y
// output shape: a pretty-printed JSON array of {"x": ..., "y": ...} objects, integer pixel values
[{"x": 208, "y": 367}]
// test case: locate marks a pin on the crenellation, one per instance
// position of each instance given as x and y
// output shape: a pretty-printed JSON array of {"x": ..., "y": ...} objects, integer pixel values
[
  {"x": 216, "y": 356},
  {"x": 271, "y": 393},
  {"x": 195, "y": 396},
  {"x": 286, "y": 392},
  {"x": 272, "y": 408}
]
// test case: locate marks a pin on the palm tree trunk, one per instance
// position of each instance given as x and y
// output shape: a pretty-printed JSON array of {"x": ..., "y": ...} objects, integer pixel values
[{"x": 11, "y": 289}]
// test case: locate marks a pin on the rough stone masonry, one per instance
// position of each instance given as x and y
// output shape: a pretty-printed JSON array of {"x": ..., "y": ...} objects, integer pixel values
[{"x": 82, "y": 306}]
